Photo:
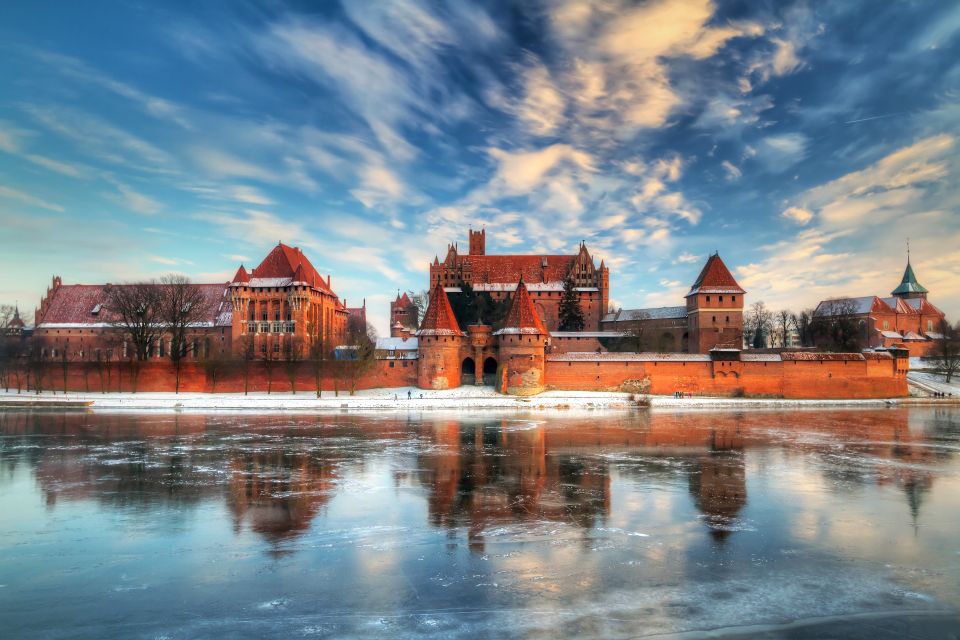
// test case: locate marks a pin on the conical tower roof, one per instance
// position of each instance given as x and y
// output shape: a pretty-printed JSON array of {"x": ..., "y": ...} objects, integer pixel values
[
  {"x": 242, "y": 276},
  {"x": 523, "y": 317},
  {"x": 909, "y": 283},
  {"x": 715, "y": 278},
  {"x": 439, "y": 319}
]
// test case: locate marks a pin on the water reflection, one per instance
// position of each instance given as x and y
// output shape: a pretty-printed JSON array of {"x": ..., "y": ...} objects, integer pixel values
[
  {"x": 593, "y": 524},
  {"x": 276, "y": 475}
]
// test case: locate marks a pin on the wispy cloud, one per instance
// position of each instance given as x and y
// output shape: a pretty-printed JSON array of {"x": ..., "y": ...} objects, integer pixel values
[{"x": 28, "y": 199}]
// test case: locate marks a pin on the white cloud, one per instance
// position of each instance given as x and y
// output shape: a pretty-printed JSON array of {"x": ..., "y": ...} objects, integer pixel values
[
  {"x": 777, "y": 153},
  {"x": 27, "y": 199},
  {"x": 732, "y": 171},
  {"x": 798, "y": 215},
  {"x": 687, "y": 258}
]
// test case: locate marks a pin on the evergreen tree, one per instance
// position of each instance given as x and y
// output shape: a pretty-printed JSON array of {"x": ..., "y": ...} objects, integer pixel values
[{"x": 571, "y": 315}]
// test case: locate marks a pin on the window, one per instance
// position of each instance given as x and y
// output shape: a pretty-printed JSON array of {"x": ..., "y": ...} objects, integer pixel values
[
  {"x": 929, "y": 325},
  {"x": 263, "y": 347},
  {"x": 708, "y": 298},
  {"x": 886, "y": 324},
  {"x": 276, "y": 347},
  {"x": 733, "y": 298},
  {"x": 721, "y": 298}
]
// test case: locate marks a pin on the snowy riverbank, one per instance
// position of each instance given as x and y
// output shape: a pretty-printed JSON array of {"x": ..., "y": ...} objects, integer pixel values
[{"x": 462, "y": 398}]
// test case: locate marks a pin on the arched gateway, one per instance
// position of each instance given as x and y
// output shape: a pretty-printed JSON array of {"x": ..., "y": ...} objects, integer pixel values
[
  {"x": 468, "y": 371},
  {"x": 490, "y": 371}
]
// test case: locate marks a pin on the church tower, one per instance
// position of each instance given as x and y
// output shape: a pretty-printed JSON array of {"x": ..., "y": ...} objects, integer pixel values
[
  {"x": 909, "y": 287},
  {"x": 440, "y": 342},
  {"x": 478, "y": 242},
  {"x": 715, "y": 309}
]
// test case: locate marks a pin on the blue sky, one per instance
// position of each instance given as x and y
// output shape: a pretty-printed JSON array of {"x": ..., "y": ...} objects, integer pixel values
[{"x": 804, "y": 141}]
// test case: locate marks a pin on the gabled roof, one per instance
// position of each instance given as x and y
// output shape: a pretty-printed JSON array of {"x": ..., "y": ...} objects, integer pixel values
[
  {"x": 715, "y": 278},
  {"x": 899, "y": 305},
  {"x": 85, "y": 305},
  {"x": 909, "y": 283},
  {"x": 522, "y": 317},
  {"x": 285, "y": 265},
  {"x": 924, "y": 306},
  {"x": 855, "y": 306},
  {"x": 439, "y": 319}
]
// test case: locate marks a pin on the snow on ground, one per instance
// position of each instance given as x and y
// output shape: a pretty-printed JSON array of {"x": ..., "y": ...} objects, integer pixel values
[
  {"x": 934, "y": 381},
  {"x": 467, "y": 397}
]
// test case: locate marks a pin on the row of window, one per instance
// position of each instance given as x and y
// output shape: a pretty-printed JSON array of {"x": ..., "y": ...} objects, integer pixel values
[
  {"x": 732, "y": 298},
  {"x": 271, "y": 327}
]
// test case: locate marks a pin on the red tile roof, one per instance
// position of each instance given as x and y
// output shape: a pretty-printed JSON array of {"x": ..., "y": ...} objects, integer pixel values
[
  {"x": 715, "y": 278},
  {"x": 290, "y": 262},
  {"x": 74, "y": 304},
  {"x": 439, "y": 319},
  {"x": 523, "y": 316},
  {"x": 242, "y": 275}
]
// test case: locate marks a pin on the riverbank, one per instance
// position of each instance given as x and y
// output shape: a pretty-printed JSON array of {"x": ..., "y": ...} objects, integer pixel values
[{"x": 408, "y": 398}]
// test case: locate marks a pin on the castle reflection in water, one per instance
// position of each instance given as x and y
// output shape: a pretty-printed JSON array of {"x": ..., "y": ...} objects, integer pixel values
[{"x": 276, "y": 475}]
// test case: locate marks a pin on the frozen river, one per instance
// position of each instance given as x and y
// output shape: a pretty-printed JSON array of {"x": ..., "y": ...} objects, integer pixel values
[{"x": 609, "y": 525}]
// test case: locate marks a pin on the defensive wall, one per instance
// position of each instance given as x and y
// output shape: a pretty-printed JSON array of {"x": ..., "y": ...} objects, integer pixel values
[{"x": 788, "y": 375}]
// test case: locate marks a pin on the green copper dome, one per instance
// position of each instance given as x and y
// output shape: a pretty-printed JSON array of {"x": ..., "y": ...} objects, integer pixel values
[{"x": 909, "y": 283}]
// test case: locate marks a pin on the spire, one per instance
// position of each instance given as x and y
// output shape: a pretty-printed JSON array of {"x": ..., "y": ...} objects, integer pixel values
[
  {"x": 909, "y": 284},
  {"x": 241, "y": 276},
  {"x": 439, "y": 319},
  {"x": 522, "y": 317}
]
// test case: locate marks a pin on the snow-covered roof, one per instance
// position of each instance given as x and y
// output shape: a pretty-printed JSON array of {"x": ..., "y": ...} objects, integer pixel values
[
  {"x": 910, "y": 335},
  {"x": 397, "y": 344},
  {"x": 653, "y": 313},
  {"x": 891, "y": 334},
  {"x": 588, "y": 334},
  {"x": 933, "y": 335},
  {"x": 760, "y": 357},
  {"x": 629, "y": 356},
  {"x": 268, "y": 282},
  {"x": 514, "y": 331}
]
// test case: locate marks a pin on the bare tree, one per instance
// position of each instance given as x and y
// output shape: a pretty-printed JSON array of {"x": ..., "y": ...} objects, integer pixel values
[
  {"x": 292, "y": 357},
  {"x": 802, "y": 324},
  {"x": 269, "y": 362},
  {"x": 360, "y": 351},
  {"x": 760, "y": 320},
  {"x": 836, "y": 326},
  {"x": 783, "y": 325},
  {"x": 946, "y": 352},
  {"x": 136, "y": 310},
  {"x": 318, "y": 362},
  {"x": 246, "y": 356},
  {"x": 8, "y": 345},
  {"x": 183, "y": 308},
  {"x": 421, "y": 301}
]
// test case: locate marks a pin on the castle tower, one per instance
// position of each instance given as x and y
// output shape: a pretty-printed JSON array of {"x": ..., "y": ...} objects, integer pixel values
[
  {"x": 522, "y": 347},
  {"x": 478, "y": 242},
  {"x": 909, "y": 287},
  {"x": 715, "y": 309},
  {"x": 440, "y": 340}
]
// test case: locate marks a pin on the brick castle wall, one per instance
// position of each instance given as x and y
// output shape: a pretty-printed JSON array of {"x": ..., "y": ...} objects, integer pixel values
[{"x": 809, "y": 379}]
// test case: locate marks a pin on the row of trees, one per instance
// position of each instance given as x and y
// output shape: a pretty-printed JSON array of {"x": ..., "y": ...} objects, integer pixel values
[{"x": 170, "y": 312}]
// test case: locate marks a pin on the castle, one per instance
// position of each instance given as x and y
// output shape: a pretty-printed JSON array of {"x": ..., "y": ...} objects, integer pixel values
[{"x": 285, "y": 310}]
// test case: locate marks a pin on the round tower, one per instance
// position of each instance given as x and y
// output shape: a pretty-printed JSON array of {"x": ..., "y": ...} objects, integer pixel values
[
  {"x": 522, "y": 346},
  {"x": 440, "y": 342}
]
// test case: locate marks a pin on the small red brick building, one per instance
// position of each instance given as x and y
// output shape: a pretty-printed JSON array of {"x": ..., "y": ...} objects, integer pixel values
[
  {"x": 906, "y": 318},
  {"x": 712, "y": 316}
]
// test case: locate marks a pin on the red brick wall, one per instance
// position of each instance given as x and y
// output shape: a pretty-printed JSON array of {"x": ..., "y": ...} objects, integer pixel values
[
  {"x": 799, "y": 379},
  {"x": 159, "y": 376}
]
